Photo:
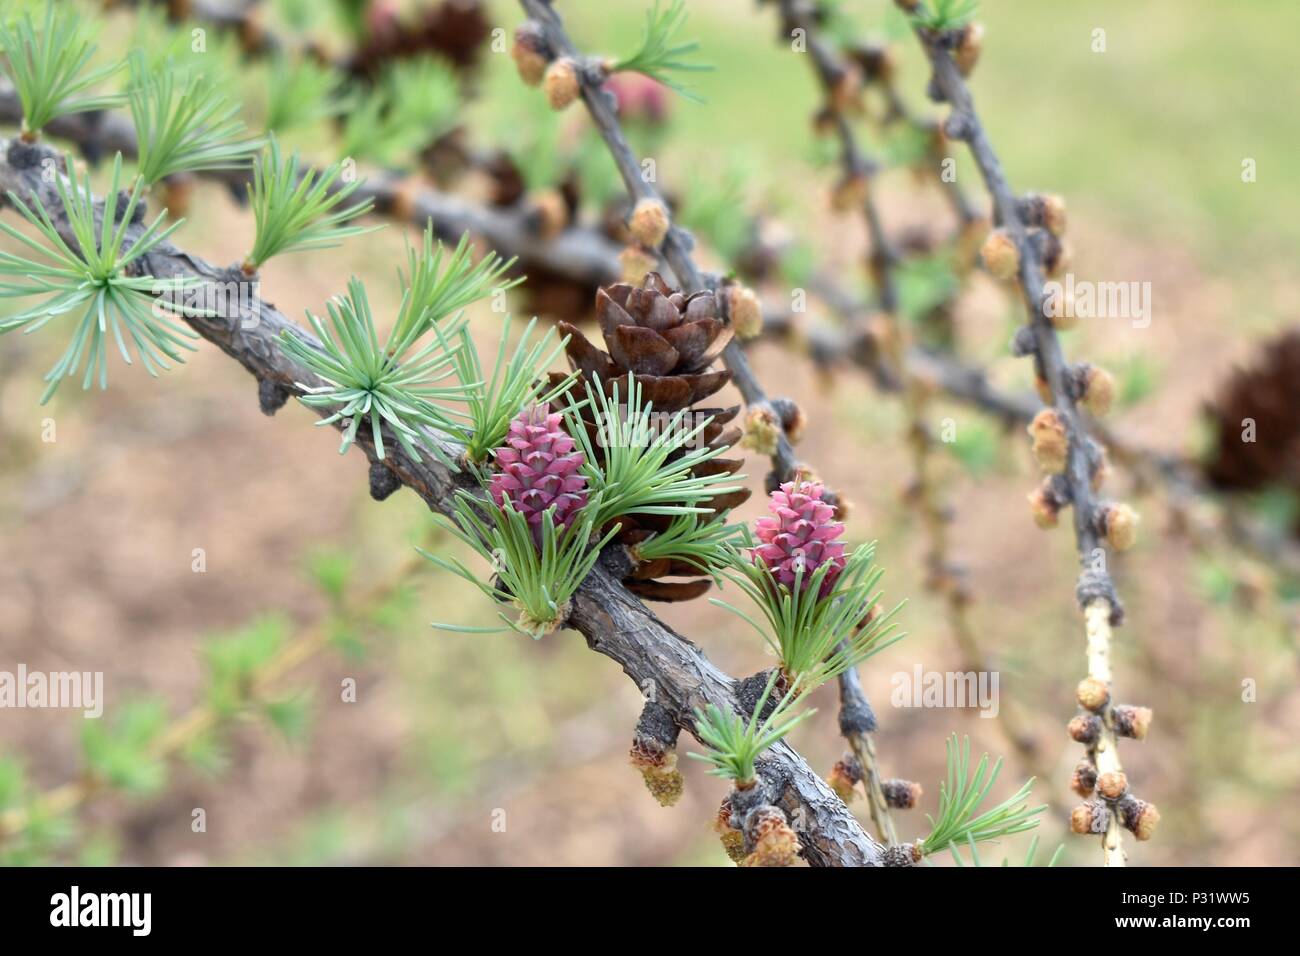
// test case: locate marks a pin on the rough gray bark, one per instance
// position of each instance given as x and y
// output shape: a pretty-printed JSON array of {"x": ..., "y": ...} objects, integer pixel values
[{"x": 614, "y": 622}]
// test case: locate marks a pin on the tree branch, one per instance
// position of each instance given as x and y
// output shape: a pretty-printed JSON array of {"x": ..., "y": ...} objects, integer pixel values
[{"x": 659, "y": 660}]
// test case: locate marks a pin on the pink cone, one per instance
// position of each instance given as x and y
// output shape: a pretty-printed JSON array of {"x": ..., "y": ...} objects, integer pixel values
[
  {"x": 800, "y": 532},
  {"x": 538, "y": 468}
]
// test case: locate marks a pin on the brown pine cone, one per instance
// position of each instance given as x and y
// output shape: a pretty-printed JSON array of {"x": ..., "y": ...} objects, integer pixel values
[
  {"x": 668, "y": 341},
  {"x": 456, "y": 30},
  {"x": 1266, "y": 395}
]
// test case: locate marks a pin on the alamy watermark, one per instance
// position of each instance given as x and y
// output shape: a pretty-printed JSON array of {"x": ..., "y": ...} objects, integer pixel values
[
  {"x": 682, "y": 429},
  {"x": 133, "y": 911},
  {"x": 233, "y": 299},
  {"x": 54, "y": 690},
  {"x": 1081, "y": 299},
  {"x": 940, "y": 689}
]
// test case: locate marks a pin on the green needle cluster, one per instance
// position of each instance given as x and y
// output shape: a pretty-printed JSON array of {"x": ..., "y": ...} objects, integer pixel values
[
  {"x": 817, "y": 637},
  {"x": 734, "y": 744},
  {"x": 91, "y": 279},
  {"x": 183, "y": 124},
  {"x": 538, "y": 580},
  {"x": 636, "y": 460},
  {"x": 372, "y": 383},
  {"x": 296, "y": 209},
  {"x": 50, "y": 66},
  {"x": 959, "y": 801},
  {"x": 658, "y": 56}
]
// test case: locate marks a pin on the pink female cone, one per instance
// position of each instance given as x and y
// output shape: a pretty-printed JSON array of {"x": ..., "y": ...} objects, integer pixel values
[
  {"x": 539, "y": 469},
  {"x": 802, "y": 533}
]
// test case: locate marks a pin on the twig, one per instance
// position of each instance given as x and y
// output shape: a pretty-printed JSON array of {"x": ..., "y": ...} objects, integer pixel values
[
  {"x": 1105, "y": 751},
  {"x": 585, "y": 255},
  {"x": 857, "y": 723},
  {"x": 1096, "y": 593},
  {"x": 244, "y": 20},
  {"x": 968, "y": 214},
  {"x": 580, "y": 254}
]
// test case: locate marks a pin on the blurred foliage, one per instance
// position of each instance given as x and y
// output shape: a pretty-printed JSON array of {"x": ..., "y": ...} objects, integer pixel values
[
  {"x": 923, "y": 283},
  {"x": 415, "y": 102},
  {"x": 234, "y": 659},
  {"x": 715, "y": 205},
  {"x": 290, "y": 715},
  {"x": 1138, "y": 378},
  {"x": 977, "y": 445},
  {"x": 119, "y": 749}
]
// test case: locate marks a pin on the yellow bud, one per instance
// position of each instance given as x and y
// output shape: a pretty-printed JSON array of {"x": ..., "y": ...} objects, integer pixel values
[
  {"x": 561, "y": 83},
  {"x": 636, "y": 263},
  {"x": 1112, "y": 785},
  {"x": 745, "y": 310},
  {"x": 1132, "y": 721},
  {"x": 1098, "y": 391},
  {"x": 1083, "y": 779},
  {"x": 649, "y": 223},
  {"x": 1000, "y": 255},
  {"x": 762, "y": 431},
  {"x": 844, "y": 778},
  {"x": 794, "y": 422},
  {"x": 775, "y": 844},
  {"x": 1051, "y": 443},
  {"x": 658, "y": 767},
  {"x": 1046, "y": 513},
  {"x": 551, "y": 212},
  {"x": 528, "y": 56},
  {"x": 1092, "y": 694},
  {"x": 1054, "y": 214},
  {"x": 1148, "y": 818},
  {"x": 968, "y": 50},
  {"x": 1084, "y": 730},
  {"x": 1121, "y": 523}
]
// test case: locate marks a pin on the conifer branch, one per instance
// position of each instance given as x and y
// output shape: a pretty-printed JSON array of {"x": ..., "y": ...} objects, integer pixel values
[
  {"x": 841, "y": 85},
  {"x": 246, "y": 23},
  {"x": 583, "y": 254},
  {"x": 614, "y": 622},
  {"x": 857, "y": 723},
  {"x": 47, "y": 60}
]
